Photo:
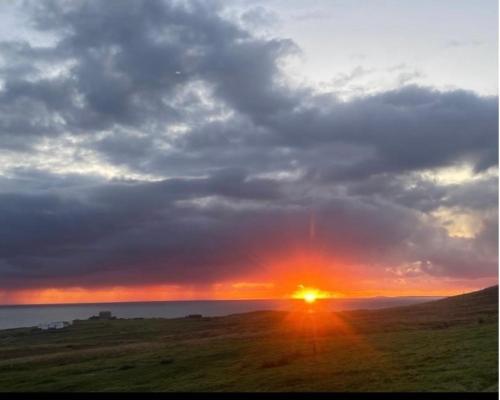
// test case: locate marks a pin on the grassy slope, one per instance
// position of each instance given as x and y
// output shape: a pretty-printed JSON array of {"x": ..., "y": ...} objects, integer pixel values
[{"x": 450, "y": 344}]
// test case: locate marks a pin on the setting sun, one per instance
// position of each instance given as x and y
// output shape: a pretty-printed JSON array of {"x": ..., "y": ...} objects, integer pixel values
[{"x": 310, "y": 295}]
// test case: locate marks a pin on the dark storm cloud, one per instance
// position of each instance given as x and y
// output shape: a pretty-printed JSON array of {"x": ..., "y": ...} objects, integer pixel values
[
  {"x": 409, "y": 128},
  {"x": 417, "y": 193},
  {"x": 404, "y": 130},
  {"x": 135, "y": 67},
  {"x": 128, "y": 64},
  {"x": 174, "y": 90},
  {"x": 120, "y": 225},
  {"x": 119, "y": 233}
]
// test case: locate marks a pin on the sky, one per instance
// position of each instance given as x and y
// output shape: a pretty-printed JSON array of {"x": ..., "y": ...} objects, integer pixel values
[{"x": 155, "y": 150}]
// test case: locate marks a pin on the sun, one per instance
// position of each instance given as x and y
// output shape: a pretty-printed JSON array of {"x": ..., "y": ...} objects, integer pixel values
[{"x": 309, "y": 297}]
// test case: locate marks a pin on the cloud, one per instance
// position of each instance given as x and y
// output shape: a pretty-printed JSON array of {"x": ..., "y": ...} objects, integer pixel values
[
  {"x": 135, "y": 67},
  {"x": 236, "y": 159}
]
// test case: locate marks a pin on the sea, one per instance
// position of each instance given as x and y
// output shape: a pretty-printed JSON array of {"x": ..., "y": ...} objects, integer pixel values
[{"x": 17, "y": 316}]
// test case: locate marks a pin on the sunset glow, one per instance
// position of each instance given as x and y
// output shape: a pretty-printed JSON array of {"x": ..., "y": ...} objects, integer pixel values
[
  {"x": 249, "y": 197},
  {"x": 227, "y": 156},
  {"x": 279, "y": 288},
  {"x": 310, "y": 295}
]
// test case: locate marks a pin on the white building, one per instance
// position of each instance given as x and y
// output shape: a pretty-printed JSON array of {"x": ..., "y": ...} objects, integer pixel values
[{"x": 54, "y": 325}]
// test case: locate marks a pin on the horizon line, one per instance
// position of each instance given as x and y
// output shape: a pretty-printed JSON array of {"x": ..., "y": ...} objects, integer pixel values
[{"x": 200, "y": 300}]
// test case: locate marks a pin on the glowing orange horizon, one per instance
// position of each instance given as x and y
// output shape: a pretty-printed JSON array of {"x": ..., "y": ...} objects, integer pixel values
[
  {"x": 299, "y": 274},
  {"x": 310, "y": 295},
  {"x": 296, "y": 272},
  {"x": 240, "y": 290}
]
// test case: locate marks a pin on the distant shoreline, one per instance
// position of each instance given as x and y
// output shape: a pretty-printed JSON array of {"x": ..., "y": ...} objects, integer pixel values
[
  {"x": 24, "y": 315},
  {"x": 430, "y": 298}
]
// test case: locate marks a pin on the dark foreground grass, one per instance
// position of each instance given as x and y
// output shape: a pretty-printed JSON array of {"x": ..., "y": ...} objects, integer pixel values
[{"x": 450, "y": 345}]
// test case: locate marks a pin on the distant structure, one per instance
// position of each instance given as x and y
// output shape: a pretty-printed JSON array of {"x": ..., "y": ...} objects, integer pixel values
[
  {"x": 54, "y": 325},
  {"x": 103, "y": 315},
  {"x": 194, "y": 316}
]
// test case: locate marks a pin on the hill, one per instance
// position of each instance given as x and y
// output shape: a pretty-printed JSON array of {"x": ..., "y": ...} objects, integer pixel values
[
  {"x": 470, "y": 308},
  {"x": 445, "y": 345}
]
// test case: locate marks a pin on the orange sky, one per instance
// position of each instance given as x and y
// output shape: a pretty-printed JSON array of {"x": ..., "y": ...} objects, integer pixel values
[
  {"x": 281, "y": 279},
  {"x": 228, "y": 290}
]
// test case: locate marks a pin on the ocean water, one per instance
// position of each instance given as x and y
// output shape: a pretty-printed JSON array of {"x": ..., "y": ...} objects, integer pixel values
[{"x": 31, "y": 315}]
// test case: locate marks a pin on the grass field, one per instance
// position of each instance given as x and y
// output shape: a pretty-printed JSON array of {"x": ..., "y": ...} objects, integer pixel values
[{"x": 445, "y": 345}]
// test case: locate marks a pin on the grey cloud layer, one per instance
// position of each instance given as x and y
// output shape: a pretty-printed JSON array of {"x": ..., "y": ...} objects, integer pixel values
[{"x": 175, "y": 90}]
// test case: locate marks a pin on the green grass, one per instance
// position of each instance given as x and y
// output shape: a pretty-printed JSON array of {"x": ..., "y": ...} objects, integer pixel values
[{"x": 449, "y": 345}]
